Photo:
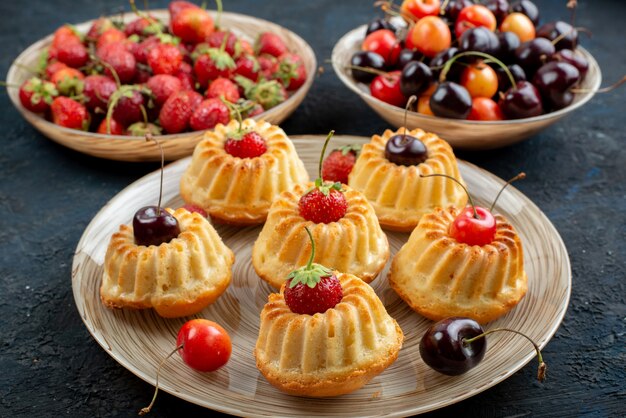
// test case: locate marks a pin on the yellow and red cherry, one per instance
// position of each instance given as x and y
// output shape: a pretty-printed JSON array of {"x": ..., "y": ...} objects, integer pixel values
[
  {"x": 473, "y": 226},
  {"x": 519, "y": 24},
  {"x": 474, "y": 16},
  {"x": 430, "y": 35},
  {"x": 484, "y": 108},
  {"x": 480, "y": 80},
  {"x": 421, "y": 8},
  {"x": 153, "y": 225}
]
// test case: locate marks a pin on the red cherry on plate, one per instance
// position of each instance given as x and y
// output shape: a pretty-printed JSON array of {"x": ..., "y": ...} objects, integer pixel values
[
  {"x": 203, "y": 345},
  {"x": 474, "y": 229},
  {"x": 387, "y": 88}
]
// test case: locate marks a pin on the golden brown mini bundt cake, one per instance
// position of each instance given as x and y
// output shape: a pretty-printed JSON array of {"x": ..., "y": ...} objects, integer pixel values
[
  {"x": 354, "y": 244},
  {"x": 330, "y": 353},
  {"x": 440, "y": 277},
  {"x": 240, "y": 190},
  {"x": 396, "y": 191},
  {"x": 177, "y": 278}
]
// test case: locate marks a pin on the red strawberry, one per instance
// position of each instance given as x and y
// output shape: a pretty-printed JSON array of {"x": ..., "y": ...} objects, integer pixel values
[
  {"x": 97, "y": 91},
  {"x": 63, "y": 35},
  {"x": 192, "y": 25},
  {"x": 140, "y": 51},
  {"x": 163, "y": 86},
  {"x": 194, "y": 208},
  {"x": 68, "y": 81},
  {"x": 270, "y": 43},
  {"x": 176, "y": 7},
  {"x": 177, "y": 109},
  {"x": 73, "y": 53},
  {"x": 36, "y": 95},
  {"x": 139, "y": 26},
  {"x": 313, "y": 288},
  {"x": 267, "y": 93},
  {"x": 269, "y": 66},
  {"x": 325, "y": 203},
  {"x": 120, "y": 60},
  {"x": 165, "y": 59},
  {"x": 69, "y": 113},
  {"x": 98, "y": 27},
  {"x": 223, "y": 87},
  {"x": 248, "y": 66},
  {"x": 53, "y": 67},
  {"x": 253, "y": 110},
  {"x": 142, "y": 76},
  {"x": 109, "y": 36},
  {"x": 216, "y": 39},
  {"x": 211, "y": 64},
  {"x": 338, "y": 165},
  {"x": 245, "y": 145},
  {"x": 127, "y": 103},
  {"x": 209, "y": 113},
  {"x": 291, "y": 71},
  {"x": 116, "y": 127},
  {"x": 246, "y": 48},
  {"x": 323, "y": 207},
  {"x": 185, "y": 75}
]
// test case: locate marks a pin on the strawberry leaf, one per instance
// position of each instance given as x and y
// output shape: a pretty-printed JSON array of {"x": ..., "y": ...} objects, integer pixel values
[
  {"x": 309, "y": 276},
  {"x": 355, "y": 148}
]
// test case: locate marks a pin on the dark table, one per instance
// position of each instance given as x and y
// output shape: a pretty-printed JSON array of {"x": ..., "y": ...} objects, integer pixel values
[{"x": 50, "y": 365}]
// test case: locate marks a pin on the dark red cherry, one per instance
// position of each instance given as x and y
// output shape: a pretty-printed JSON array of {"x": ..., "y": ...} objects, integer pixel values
[
  {"x": 454, "y": 7},
  {"x": 499, "y": 8},
  {"x": 479, "y": 39},
  {"x": 528, "y": 8},
  {"x": 577, "y": 59},
  {"x": 553, "y": 30},
  {"x": 405, "y": 150},
  {"x": 366, "y": 59},
  {"x": 473, "y": 228},
  {"x": 379, "y": 24},
  {"x": 509, "y": 42},
  {"x": 443, "y": 348},
  {"x": 415, "y": 78},
  {"x": 439, "y": 60},
  {"x": 451, "y": 100},
  {"x": 408, "y": 55},
  {"x": 521, "y": 101},
  {"x": 553, "y": 80},
  {"x": 503, "y": 79},
  {"x": 154, "y": 226},
  {"x": 533, "y": 54}
]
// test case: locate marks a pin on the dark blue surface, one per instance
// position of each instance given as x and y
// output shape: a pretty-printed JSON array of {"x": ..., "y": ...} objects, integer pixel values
[{"x": 50, "y": 365}]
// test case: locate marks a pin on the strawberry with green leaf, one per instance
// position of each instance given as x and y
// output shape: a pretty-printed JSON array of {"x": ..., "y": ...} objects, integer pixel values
[
  {"x": 313, "y": 288},
  {"x": 267, "y": 93},
  {"x": 37, "y": 95},
  {"x": 211, "y": 63},
  {"x": 339, "y": 163}
]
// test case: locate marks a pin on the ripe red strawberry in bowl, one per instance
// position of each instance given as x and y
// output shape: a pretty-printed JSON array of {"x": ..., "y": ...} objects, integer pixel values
[
  {"x": 192, "y": 24},
  {"x": 119, "y": 61},
  {"x": 270, "y": 43},
  {"x": 177, "y": 110},
  {"x": 209, "y": 113},
  {"x": 211, "y": 64},
  {"x": 163, "y": 86},
  {"x": 223, "y": 87},
  {"x": 338, "y": 165},
  {"x": 97, "y": 90},
  {"x": 313, "y": 288},
  {"x": 37, "y": 95},
  {"x": 291, "y": 71},
  {"x": 164, "y": 58},
  {"x": 69, "y": 113}
]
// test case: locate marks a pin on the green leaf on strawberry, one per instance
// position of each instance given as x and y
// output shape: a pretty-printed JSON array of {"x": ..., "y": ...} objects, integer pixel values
[{"x": 311, "y": 274}]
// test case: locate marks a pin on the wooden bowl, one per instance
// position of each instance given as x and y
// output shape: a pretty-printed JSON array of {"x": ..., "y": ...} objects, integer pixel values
[
  {"x": 175, "y": 146},
  {"x": 459, "y": 133}
]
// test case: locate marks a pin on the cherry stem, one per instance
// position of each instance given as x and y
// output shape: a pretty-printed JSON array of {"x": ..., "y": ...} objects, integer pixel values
[
  {"x": 541, "y": 370},
  {"x": 412, "y": 100},
  {"x": 448, "y": 64},
  {"x": 442, "y": 10},
  {"x": 571, "y": 4},
  {"x": 602, "y": 90},
  {"x": 219, "y": 13},
  {"x": 147, "y": 409},
  {"x": 520, "y": 176},
  {"x": 310, "y": 263},
  {"x": 319, "y": 169},
  {"x": 391, "y": 9},
  {"x": 149, "y": 138},
  {"x": 469, "y": 196},
  {"x": 367, "y": 70}
]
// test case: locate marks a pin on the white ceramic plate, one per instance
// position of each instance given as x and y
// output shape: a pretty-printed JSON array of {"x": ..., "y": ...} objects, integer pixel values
[{"x": 139, "y": 340}]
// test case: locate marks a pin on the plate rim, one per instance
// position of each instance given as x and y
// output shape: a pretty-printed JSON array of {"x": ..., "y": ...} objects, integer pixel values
[{"x": 127, "y": 364}]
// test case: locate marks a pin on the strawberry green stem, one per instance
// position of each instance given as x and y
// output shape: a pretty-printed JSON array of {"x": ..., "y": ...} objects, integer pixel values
[
  {"x": 11, "y": 85},
  {"x": 541, "y": 370},
  {"x": 520, "y": 176},
  {"x": 147, "y": 409},
  {"x": 469, "y": 196},
  {"x": 219, "y": 13},
  {"x": 224, "y": 41},
  {"x": 319, "y": 169},
  {"x": 310, "y": 263},
  {"x": 451, "y": 61},
  {"x": 234, "y": 107}
]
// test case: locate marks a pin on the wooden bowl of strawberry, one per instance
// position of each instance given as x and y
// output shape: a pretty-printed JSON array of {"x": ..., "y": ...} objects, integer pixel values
[
  {"x": 485, "y": 75},
  {"x": 98, "y": 87}
]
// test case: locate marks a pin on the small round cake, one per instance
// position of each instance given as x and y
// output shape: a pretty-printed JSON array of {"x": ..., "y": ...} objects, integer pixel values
[
  {"x": 177, "y": 278},
  {"x": 397, "y": 192},
  {"x": 354, "y": 244},
  {"x": 330, "y": 353},
  {"x": 240, "y": 190},
  {"x": 439, "y": 277}
]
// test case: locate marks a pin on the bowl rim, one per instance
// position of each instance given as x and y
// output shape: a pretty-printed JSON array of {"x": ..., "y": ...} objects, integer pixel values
[
  {"x": 162, "y": 14},
  {"x": 354, "y": 86}
]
